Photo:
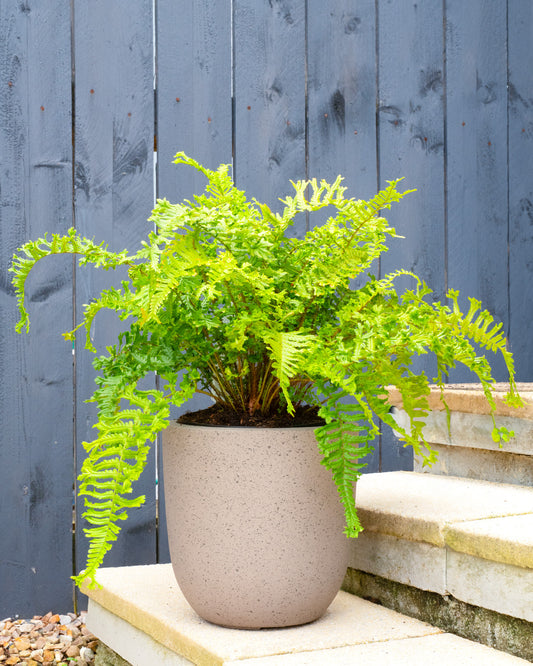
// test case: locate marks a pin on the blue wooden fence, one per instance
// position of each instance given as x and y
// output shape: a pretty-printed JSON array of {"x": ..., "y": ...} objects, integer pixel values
[{"x": 96, "y": 96}]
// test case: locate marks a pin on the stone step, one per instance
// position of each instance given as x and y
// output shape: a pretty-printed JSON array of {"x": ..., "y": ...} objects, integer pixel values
[
  {"x": 467, "y": 539},
  {"x": 140, "y": 614},
  {"x": 465, "y": 447},
  {"x": 463, "y": 439}
]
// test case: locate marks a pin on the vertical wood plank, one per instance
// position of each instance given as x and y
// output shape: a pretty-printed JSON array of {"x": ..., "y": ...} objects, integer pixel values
[
  {"x": 193, "y": 92},
  {"x": 269, "y": 97},
  {"x": 36, "y": 445},
  {"x": 194, "y": 114},
  {"x": 114, "y": 136},
  {"x": 520, "y": 117},
  {"x": 411, "y": 136},
  {"x": 411, "y": 144},
  {"x": 342, "y": 95},
  {"x": 476, "y": 125}
]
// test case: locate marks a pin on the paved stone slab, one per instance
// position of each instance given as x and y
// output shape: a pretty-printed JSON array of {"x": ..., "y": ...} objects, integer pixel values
[
  {"x": 148, "y": 598},
  {"x": 508, "y": 540},
  {"x": 470, "y": 398},
  {"x": 438, "y": 650},
  {"x": 417, "y": 506},
  {"x": 497, "y": 586},
  {"x": 167, "y": 632},
  {"x": 133, "y": 645},
  {"x": 420, "y": 565}
]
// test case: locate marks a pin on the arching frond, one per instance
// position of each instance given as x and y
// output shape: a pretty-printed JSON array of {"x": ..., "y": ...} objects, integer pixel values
[{"x": 343, "y": 441}]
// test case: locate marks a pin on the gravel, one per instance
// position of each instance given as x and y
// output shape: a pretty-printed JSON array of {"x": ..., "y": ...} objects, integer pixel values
[{"x": 47, "y": 640}]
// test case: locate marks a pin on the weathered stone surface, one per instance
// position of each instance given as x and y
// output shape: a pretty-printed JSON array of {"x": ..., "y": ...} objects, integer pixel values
[
  {"x": 470, "y": 398},
  {"x": 350, "y": 633},
  {"x": 466, "y": 448},
  {"x": 105, "y": 656},
  {"x": 418, "y": 506},
  {"x": 440, "y": 649},
  {"x": 138, "y": 647},
  {"x": 495, "y": 466},
  {"x": 421, "y": 565},
  {"x": 508, "y": 540},
  {"x": 487, "y": 527},
  {"x": 473, "y": 431},
  {"x": 510, "y": 634},
  {"x": 500, "y": 587}
]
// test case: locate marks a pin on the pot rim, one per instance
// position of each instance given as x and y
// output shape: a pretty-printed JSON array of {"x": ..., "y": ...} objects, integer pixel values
[{"x": 252, "y": 428}]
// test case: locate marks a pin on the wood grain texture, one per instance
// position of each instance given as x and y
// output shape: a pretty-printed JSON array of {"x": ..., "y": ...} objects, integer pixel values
[
  {"x": 476, "y": 126},
  {"x": 36, "y": 440},
  {"x": 114, "y": 136},
  {"x": 269, "y": 96},
  {"x": 520, "y": 100},
  {"x": 193, "y": 92},
  {"x": 342, "y": 94},
  {"x": 411, "y": 133}
]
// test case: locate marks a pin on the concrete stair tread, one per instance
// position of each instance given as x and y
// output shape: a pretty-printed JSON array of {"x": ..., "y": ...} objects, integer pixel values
[
  {"x": 470, "y": 398},
  {"x": 508, "y": 539},
  {"x": 424, "y": 507},
  {"x": 141, "y": 614}
]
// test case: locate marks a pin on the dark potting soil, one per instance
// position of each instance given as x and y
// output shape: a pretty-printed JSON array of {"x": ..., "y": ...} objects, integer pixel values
[{"x": 218, "y": 416}]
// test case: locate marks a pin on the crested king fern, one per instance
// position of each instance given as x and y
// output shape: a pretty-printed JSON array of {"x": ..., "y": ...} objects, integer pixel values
[{"x": 221, "y": 296}]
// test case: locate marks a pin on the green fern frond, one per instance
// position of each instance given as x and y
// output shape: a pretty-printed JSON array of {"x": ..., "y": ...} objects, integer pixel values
[
  {"x": 479, "y": 326},
  {"x": 287, "y": 350},
  {"x": 71, "y": 243},
  {"x": 150, "y": 298},
  {"x": 116, "y": 459},
  {"x": 111, "y": 299},
  {"x": 343, "y": 441}
]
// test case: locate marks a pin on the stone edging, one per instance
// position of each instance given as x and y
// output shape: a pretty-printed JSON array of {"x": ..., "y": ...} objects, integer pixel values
[{"x": 470, "y": 398}]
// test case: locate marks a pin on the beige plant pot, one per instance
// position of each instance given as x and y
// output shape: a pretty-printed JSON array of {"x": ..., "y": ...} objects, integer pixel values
[{"x": 255, "y": 524}]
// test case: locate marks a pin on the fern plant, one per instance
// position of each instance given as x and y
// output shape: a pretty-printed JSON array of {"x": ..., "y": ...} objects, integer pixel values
[{"x": 220, "y": 300}]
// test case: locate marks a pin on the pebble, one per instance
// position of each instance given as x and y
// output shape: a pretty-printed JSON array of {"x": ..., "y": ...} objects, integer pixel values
[{"x": 47, "y": 640}]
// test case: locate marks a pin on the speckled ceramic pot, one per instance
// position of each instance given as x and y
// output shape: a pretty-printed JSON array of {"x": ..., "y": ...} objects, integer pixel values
[{"x": 255, "y": 524}]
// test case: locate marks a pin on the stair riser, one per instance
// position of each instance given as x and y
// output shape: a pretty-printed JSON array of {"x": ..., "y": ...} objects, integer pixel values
[{"x": 497, "y": 586}]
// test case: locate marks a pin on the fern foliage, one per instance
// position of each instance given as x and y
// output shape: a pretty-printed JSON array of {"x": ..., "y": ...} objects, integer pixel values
[
  {"x": 115, "y": 461},
  {"x": 344, "y": 440},
  {"x": 287, "y": 351},
  {"x": 222, "y": 296}
]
